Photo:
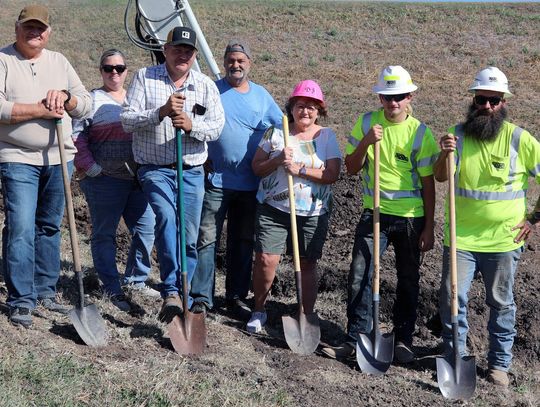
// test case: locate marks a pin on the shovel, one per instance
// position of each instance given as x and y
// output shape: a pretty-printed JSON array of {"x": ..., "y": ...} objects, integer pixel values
[
  {"x": 456, "y": 375},
  {"x": 187, "y": 332},
  {"x": 302, "y": 331},
  {"x": 374, "y": 352},
  {"x": 85, "y": 318}
]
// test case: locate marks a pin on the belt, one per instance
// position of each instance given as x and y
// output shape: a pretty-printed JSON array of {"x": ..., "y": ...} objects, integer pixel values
[{"x": 172, "y": 166}]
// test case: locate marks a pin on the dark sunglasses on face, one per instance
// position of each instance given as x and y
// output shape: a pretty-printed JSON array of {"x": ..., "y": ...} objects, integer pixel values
[
  {"x": 110, "y": 68},
  {"x": 482, "y": 100},
  {"x": 397, "y": 98}
]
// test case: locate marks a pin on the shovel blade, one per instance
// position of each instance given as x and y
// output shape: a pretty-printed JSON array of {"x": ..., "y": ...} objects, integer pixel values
[
  {"x": 456, "y": 377},
  {"x": 89, "y": 325},
  {"x": 374, "y": 352},
  {"x": 302, "y": 332},
  {"x": 188, "y": 333}
]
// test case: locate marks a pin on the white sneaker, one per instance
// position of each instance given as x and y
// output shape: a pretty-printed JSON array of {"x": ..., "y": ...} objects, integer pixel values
[
  {"x": 256, "y": 322},
  {"x": 143, "y": 289}
]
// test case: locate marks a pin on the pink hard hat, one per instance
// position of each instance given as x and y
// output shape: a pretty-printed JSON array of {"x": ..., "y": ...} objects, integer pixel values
[{"x": 308, "y": 89}]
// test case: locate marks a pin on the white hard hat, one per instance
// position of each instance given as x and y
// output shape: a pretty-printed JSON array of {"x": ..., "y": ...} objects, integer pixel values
[
  {"x": 394, "y": 80},
  {"x": 491, "y": 78}
]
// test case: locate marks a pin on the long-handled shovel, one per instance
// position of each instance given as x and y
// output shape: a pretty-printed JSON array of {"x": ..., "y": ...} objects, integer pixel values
[
  {"x": 85, "y": 318},
  {"x": 302, "y": 331},
  {"x": 187, "y": 332},
  {"x": 374, "y": 352},
  {"x": 456, "y": 375}
]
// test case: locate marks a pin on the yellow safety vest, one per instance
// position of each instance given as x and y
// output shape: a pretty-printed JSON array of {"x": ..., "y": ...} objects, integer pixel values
[
  {"x": 491, "y": 182},
  {"x": 408, "y": 151}
]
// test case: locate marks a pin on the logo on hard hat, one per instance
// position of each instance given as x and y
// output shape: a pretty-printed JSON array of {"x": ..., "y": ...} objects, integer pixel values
[
  {"x": 186, "y": 34},
  {"x": 391, "y": 84},
  {"x": 309, "y": 89},
  {"x": 493, "y": 79}
]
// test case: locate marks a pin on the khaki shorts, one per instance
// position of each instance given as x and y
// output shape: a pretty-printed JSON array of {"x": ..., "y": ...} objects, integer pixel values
[{"x": 272, "y": 232}]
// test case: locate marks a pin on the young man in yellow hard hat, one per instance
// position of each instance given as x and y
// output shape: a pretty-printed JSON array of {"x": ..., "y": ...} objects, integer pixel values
[{"x": 407, "y": 205}]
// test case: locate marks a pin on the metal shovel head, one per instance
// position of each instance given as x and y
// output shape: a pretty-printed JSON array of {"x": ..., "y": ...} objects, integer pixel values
[
  {"x": 456, "y": 377},
  {"x": 188, "y": 333},
  {"x": 302, "y": 332},
  {"x": 375, "y": 352},
  {"x": 89, "y": 325}
]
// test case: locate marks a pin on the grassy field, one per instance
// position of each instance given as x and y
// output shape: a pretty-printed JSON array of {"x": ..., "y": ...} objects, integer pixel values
[{"x": 342, "y": 45}]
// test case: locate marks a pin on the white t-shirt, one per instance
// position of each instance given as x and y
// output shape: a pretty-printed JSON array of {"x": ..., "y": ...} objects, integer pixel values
[{"x": 311, "y": 198}]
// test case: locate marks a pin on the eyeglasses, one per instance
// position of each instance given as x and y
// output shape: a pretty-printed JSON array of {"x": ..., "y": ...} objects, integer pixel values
[
  {"x": 111, "y": 68},
  {"x": 310, "y": 109},
  {"x": 396, "y": 98},
  {"x": 482, "y": 100}
]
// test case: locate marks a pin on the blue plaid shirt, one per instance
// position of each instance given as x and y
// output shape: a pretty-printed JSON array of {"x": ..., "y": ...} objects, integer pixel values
[{"x": 154, "y": 141}]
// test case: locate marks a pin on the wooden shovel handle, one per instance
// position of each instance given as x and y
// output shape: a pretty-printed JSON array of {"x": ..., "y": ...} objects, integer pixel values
[
  {"x": 70, "y": 211},
  {"x": 376, "y": 216},
  {"x": 452, "y": 230},
  {"x": 294, "y": 231}
]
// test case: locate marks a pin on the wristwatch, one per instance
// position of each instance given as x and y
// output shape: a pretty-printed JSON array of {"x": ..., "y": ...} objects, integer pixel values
[
  {"x": 302, "y": 172},
  {"x": 68, "y": 94}
]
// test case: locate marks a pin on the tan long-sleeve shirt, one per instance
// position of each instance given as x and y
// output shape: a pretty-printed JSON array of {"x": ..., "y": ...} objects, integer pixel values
[{"x": 27, "y": 81}]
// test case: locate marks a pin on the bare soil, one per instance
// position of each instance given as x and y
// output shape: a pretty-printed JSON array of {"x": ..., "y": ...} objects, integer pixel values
[{"x": 293, "y": 41}]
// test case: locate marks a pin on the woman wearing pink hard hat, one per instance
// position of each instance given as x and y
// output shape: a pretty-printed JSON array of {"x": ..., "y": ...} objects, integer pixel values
[{"x": 313, "y": 159}]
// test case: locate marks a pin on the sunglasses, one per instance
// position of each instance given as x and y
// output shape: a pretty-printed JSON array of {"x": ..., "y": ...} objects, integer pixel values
[
  {"x": 482, "y": 100},
  {"x": 111, "y": 68},
  {"x": 396, "y": 98}
]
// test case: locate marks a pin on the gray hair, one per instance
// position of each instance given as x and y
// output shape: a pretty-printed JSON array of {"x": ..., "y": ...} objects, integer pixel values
[{"x": 110, "y": 53}]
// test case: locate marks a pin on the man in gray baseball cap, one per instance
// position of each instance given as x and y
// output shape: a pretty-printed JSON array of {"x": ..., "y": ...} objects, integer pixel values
[{"x": 231, "y": 185}]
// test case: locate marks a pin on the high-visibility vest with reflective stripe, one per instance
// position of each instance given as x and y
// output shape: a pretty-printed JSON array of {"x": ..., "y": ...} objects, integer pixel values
[
  {"x": 491, "y": 182},
  {"x": 408, "y": 151}
]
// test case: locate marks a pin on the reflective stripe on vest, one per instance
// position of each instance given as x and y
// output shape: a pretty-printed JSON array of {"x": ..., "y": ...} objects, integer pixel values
[
  {"x": 507, "y": 195},
  {"x": 417, "y": 144}
]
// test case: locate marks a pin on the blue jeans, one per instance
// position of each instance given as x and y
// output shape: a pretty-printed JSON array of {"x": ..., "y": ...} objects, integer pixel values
[
  {"x": 33, "y": 207},
  {"x": 239, "y": 207},
  {"x": 498, "y": 270},
  {"x": 159, "y": 186},
  {"x": 110, "y": 199},
  {"x": 403, "y": 233}
]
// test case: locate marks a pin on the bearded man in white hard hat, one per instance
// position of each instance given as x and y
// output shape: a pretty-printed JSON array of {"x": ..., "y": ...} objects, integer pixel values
[
  {"x": 494, "y": 159},
  {"x": 407, "y": 205}
]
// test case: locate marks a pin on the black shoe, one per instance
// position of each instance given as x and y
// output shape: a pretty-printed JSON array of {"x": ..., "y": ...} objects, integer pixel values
[
  {"x": 121, "y": 302},
  {"x": 52, "y": 305},
  {"x": 403, "y": 352},
  {"x": 199, "y": 308},
  {"x": 172, "y": 306},
  {"x": 239, "y": 308},
  {"x": 20, "y": 316}
]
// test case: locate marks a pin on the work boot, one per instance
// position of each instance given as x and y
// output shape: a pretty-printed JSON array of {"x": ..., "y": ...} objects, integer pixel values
[
  {"x": 172, "y": 306},
  {"x": 121, "y": 302},
  {"x": 342, "y": 351},
  {"x": 498, "y": 377},
  {"x": 20, "y": 316},
  {"x": 199, "y": 308},
  {"x": 143, "y": 289},
  {"x": 403, "y": 352},
  {"x": 238, "y": 308},
  {"x": 52, "y": 305},
  {"x": 256, "y": 322}
]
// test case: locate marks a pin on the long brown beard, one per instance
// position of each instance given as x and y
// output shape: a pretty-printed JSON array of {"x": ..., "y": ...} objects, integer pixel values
[{"x": 483, "y": 127}]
